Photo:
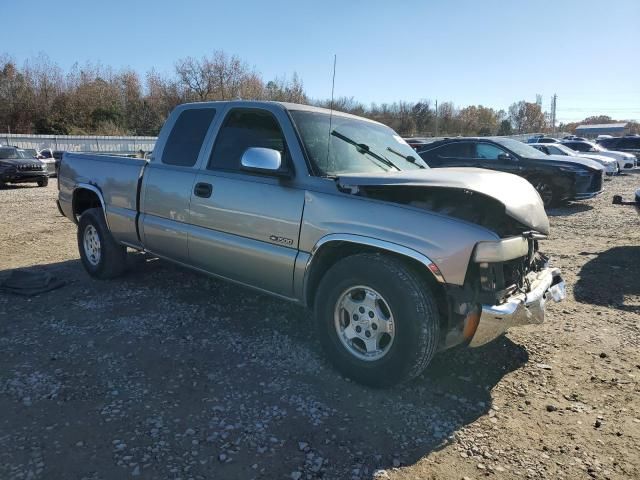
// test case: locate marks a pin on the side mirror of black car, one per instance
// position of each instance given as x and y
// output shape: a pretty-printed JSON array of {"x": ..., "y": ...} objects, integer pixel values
[{"x": 505, "y": 156}]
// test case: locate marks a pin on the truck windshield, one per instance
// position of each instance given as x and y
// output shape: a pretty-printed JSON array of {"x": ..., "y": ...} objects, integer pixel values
[{"x": 353, "y": 145}]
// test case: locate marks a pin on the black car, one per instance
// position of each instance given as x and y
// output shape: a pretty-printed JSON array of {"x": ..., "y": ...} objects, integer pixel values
[
  {"x": 628, "y": 144},
  {"x": 555, "y": 177},
  {"x": 16, "y": 169}
]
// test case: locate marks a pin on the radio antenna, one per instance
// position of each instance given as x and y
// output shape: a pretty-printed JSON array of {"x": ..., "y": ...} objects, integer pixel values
[{"x": 333, "y": 85}]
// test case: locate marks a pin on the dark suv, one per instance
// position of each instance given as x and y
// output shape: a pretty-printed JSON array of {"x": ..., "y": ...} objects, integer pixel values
[
  {"x": 628, "y": 144},
  {"x": 555, "y": 177},
  {"x": 14, "y": 168}
]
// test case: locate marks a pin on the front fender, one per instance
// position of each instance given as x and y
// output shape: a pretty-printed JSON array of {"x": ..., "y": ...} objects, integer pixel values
[
  {"x": 430, "y": 238},
  {"x": 326, "y": 241}
]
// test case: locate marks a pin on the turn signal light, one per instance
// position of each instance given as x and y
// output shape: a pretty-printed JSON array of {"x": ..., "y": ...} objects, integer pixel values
[{"x": 471, "y": 322}]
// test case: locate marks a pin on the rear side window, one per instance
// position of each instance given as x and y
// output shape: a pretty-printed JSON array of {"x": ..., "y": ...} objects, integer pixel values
[
  {"x": 629, "y": 142},
  {"x": 457, "y": 150},
  {"x": 608, "y": 142},
  {"x": 580, "y": 147},
  {"x": 186, "y": 137},
  {"x": 243, "y": 129}
]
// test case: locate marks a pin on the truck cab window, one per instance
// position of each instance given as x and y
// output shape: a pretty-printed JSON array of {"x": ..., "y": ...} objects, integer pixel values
[
  {"x": 186, "y": 137},
  {"x": 243, "y": 129}
]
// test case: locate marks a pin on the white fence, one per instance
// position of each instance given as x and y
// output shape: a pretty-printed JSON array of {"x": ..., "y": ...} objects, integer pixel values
[
  {"x": 121, "y": 145},
  {"x": 72, "y": 143}
]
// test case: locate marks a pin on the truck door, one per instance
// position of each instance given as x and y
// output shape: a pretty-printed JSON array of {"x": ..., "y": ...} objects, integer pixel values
[
  {"x": 245, "y": 225},
  {"x": 168, "y": 181}
]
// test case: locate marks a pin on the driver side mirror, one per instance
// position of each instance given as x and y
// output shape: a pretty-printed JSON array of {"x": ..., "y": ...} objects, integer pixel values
[
  {"x": 263, "y": 160},
  {"x": 504, "y": 157}
]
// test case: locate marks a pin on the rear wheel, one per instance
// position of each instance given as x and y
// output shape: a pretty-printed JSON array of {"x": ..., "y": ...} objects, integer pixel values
[
  {"x": 377, "y": 319},
  {"x": 43, "y": 182},
  {"x": 102, "y": 257}
]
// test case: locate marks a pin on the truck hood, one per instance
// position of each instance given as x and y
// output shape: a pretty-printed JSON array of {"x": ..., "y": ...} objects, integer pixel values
[{"x": 520, "y": 200}]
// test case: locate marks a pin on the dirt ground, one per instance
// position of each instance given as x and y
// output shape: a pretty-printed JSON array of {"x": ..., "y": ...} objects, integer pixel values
[{"x": 165, "y": 373}]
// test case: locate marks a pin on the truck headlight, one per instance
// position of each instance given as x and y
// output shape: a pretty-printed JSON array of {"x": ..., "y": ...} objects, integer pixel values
[{"x": 501, "y": 250}]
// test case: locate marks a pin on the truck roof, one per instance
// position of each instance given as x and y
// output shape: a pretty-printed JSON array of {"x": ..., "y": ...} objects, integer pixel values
[{"x": 284, "y": 105}]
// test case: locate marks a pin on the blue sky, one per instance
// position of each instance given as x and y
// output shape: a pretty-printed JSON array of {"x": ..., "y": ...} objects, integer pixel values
[{"x": 470, "y": 52}]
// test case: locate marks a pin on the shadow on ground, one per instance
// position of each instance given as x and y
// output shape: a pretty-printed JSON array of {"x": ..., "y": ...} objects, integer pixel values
[
  {"x": 568, "y": 209},
  {"x": 212, "y": 379},
  {"x": 624, "y": 263}
]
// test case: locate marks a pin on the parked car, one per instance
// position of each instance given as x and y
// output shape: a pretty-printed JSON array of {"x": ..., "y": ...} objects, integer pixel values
[
  {"x": 628, "y": 144},
  {"x": 14, "y": 168},
  {"x": 625, "y": 160},
  {"x": 334, "y": 212},
  {"x": 574, "y": 137},
  {"x": 418, "y": 142},
  {"x": 545, "y": 140},
  {"x": 33, "y": 153},
  {"x": 610, "y": 165},
  {"x": 56, "y": 155},
  {"x": 556, "y": 178}
]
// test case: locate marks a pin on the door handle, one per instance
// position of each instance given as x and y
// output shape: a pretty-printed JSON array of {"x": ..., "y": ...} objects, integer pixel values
[{"x": 203, "y": 190}]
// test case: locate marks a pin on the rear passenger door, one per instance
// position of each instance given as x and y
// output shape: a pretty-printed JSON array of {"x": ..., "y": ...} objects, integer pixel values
[
  {"x": 245, "y": 225},
  {"x": 168, "y": 182}
]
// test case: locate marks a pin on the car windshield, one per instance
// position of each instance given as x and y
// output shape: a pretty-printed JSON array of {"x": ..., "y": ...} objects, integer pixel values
[
  {"x": 352, "y": 145},
  {"x": 519, "y": 148},
  {"x": 9, "y": 153}
]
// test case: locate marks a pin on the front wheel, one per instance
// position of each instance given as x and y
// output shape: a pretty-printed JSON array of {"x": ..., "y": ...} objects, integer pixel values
[
  {"x": 377, "y": 319},
  {"x": 546, "y": 191},
  {"x": 43, "y": 182},
  {"x": 102, "y": 257}
]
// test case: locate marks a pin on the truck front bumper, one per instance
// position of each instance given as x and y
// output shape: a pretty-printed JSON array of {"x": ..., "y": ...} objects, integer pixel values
[{"x": 521, "y": 308}]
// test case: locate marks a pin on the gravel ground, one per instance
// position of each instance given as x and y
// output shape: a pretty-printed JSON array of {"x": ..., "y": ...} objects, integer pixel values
[{"x": 165, "y": 373}]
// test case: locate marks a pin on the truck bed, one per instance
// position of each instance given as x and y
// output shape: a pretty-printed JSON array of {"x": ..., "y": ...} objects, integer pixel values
[{"x": 116, "y": 178}]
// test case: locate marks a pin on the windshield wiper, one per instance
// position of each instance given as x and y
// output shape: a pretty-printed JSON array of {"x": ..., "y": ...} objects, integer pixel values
[
  {"x": 363, "y": 148},
  {"x": 408, "y": 158}
]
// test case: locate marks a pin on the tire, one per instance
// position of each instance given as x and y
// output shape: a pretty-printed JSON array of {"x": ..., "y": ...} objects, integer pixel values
[
  {"x": 43, "y": 182},
  {"x": 405, "y": 298},
  {"x": 546, "y": 191},
  {"x": 101, "y": 256}
]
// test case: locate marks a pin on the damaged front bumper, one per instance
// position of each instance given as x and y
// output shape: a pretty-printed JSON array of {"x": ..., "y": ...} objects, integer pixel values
[{"x": 521, "y": 308}]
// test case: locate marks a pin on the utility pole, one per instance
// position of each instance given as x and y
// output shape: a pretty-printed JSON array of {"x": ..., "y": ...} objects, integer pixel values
[
  {"x": 436, "y": 118},
  {"x": 554, "y": 99}
]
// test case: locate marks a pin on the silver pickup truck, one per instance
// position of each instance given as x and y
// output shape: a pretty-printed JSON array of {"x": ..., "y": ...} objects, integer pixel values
[{"x": 329, "y": 210}]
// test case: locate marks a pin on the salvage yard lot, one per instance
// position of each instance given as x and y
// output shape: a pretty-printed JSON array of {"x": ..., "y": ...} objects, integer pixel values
[{"x": 165, "y": 373}]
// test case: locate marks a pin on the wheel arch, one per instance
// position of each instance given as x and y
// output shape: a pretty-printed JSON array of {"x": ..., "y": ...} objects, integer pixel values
[
  {"x": 86, "y": 196},
  {"x": 332, "y": 248}
]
